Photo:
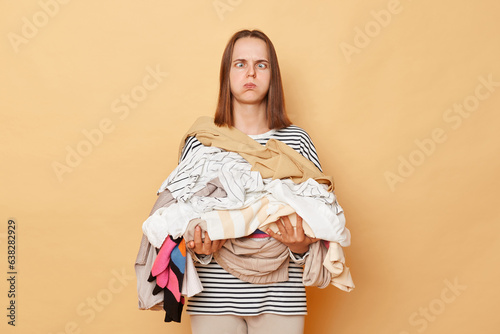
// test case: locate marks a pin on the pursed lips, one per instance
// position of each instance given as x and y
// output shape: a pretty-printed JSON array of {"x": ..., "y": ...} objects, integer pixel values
[{"x": 250, "y": 85}]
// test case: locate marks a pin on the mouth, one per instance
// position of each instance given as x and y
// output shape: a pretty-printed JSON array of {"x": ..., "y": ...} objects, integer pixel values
[{"x": 250, "y": 85}]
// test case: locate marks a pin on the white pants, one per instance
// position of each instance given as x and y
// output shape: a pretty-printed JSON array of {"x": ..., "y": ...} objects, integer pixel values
[{"x": 266, "y": 323}]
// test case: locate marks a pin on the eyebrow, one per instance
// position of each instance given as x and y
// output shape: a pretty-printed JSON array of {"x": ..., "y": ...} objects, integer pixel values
[{"x": 258, "y": 61}]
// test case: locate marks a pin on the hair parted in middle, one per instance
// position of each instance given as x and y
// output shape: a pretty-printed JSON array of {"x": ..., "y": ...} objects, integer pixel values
[{"x": 275, "y": 98}]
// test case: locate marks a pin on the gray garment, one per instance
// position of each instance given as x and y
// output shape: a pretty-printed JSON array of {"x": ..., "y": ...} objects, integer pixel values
[
  {"x": 144, "y": 262},
  {"x": 147, "y": 253}
]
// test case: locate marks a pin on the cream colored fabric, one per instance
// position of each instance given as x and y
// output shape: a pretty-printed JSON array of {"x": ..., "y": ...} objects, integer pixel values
[
  {"x": 335, "y": 263},
  {"x": 260, "y": 215}
]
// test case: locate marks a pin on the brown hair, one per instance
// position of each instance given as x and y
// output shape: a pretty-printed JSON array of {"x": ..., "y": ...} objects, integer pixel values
[{"x": 275, "y": 98}]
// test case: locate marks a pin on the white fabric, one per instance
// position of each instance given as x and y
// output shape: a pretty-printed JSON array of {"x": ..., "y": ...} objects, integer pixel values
[
  {"x": 191, "y": 284},
  {"x": 242, "y": 185},
  {"x": 165, "y": 221},
  {"x": 326, "y": 220}
]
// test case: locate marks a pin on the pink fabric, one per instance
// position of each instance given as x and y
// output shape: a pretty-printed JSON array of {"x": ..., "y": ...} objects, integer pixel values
[
  {"x": 161, "y": 263},
  {"x": 173, "y": 285},
  {"x": 256, "y": 236}
]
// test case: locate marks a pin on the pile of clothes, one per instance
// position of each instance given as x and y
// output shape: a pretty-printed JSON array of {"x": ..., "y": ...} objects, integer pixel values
[{"x": 231, "y": 187}]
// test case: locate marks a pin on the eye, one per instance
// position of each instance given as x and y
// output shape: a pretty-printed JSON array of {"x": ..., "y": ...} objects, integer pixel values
[
  {"x": 262, "y": 66},
  {"x": 240, "y": 65}
]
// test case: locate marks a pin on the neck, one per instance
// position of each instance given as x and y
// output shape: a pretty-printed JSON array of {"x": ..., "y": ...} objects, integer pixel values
[{"x": 250, "y": 118}]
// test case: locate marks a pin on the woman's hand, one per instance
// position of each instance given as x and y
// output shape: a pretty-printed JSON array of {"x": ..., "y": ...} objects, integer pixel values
[
  {"x": 205, "y": 246},
  {"x": 293, "y": 237}
]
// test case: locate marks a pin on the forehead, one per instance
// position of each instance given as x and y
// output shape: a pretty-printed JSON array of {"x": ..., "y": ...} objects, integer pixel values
[{"x": 250, "y": 48}]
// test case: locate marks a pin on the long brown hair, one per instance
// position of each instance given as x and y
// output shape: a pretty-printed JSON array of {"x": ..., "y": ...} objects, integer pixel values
[{"x": 275, "y": 98}]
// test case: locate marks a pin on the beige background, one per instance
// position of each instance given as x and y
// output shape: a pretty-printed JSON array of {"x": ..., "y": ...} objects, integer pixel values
[{"x": 366, "y": 100}]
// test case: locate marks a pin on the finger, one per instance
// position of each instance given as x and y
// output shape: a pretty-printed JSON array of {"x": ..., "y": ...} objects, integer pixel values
[
  {"x": 190, "y": 244},
  {"x": 274, "y": 235},
  {"x": 300, "y": 227},
  {"x": 215, "y": 246},
  {"x": 281, "y": 227},
  {"x": 207, "y": 243},
  {"x": 207, "y": 237},
  {"x": 288, "y": 225},
  {"x": 197, "y": 238},
  {"x": 197, "y": 234}
]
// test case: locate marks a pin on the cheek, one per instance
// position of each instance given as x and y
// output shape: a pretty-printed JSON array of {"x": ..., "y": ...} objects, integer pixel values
[
  {"x": 234, "y": 76},
  {"x": 266, "y": 79},
  {"x": 232, "y": 80}
]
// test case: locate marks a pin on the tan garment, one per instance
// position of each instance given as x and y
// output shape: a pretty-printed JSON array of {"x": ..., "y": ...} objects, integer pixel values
[
  {"x": 251, "y": 260},
  {"x": 255, "y": 260},
  {"x": 315, "y": 273},
  {"x": 274, "y": 160}
]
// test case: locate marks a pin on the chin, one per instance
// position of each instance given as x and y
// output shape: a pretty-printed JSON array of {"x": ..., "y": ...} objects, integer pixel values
[
  {"x": 245, "y": 101},
  {"x": 250, "y": 99}
]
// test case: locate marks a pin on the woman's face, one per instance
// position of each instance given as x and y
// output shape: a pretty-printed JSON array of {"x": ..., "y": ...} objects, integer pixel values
[{"x": 250, "y": 73}]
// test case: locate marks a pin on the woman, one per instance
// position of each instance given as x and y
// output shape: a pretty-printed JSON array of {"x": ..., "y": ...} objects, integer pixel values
[{"x": 251, "y": 100}]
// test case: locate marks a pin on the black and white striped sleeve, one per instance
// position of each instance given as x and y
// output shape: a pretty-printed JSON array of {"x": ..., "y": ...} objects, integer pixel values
[
  {"x": 308, "y": 150},
  {"x": 298, "y": 139},
  {"x": 190, "y": 145}
]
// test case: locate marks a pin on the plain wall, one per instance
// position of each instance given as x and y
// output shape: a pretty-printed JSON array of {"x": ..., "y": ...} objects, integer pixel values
[{"x": 401, "y": 99}]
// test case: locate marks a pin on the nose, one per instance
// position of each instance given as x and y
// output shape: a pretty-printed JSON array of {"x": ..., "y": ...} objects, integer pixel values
[{"x": 251, "y": 71}]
